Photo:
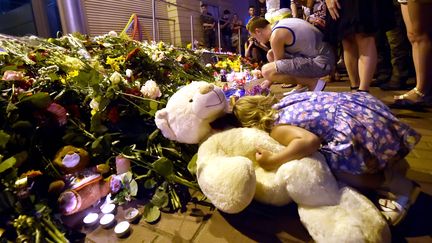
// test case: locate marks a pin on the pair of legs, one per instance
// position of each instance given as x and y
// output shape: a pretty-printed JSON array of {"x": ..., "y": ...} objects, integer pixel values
[
  {"x": 300, "y": 70},
  {"x": 416, "y": 16},
  {"x": 399, "y": 191},
  {"x": 270, "y": 73},
  {"x": 360, "y": 56},
  {"x": 389, "y": 180}
]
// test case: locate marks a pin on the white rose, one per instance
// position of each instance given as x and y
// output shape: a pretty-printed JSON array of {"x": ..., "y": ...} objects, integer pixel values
[
  {"x": 129, "y": 73},
  {"x": 112, "y": 33},
  {"x": 154, "y": 57},
  {"x": 94, "y": 104},
  {"x": 116, "y": 78},
  {"x": 151, "y": 90},
  {"x": 208, "y": 65}
]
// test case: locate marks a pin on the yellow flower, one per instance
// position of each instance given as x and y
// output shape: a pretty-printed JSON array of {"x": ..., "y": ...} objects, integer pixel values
[
  {"x": 73, "y": 73},
  {"x": 115, "y": 62}
]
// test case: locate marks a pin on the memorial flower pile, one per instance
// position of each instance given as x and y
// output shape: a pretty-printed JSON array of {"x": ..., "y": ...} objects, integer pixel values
[{"x": 99, "y": 94}]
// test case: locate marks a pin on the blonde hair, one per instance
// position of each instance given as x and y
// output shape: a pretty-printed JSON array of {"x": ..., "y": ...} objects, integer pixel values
[
  {"x": 256, "y": 111},
  {"x": 256, "y": 22}
]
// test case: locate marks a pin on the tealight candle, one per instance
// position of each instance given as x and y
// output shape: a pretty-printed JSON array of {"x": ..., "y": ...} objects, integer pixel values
[
  {"x": 107, "y": 220},
  {"x": 122, "y": 228},
  {"x": 132, "y": 214},
  {"x": 90, "y": 219},
  {"x": 108, "y": 208}
]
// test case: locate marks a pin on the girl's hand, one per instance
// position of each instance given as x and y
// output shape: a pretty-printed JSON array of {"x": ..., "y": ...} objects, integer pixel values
[
  {"x": 333, "y": 6},
  {"x": 264, "y": 159}
]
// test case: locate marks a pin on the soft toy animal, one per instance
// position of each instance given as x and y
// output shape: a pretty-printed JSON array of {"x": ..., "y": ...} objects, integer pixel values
[
  {"x": 82, "y": 186},
  {"x": 230, "y": 177}
]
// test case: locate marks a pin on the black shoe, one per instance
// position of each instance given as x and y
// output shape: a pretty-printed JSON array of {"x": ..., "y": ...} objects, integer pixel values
[
  {"x": 377, "y": 83},
  {"x": 380, "y": 79},
  {"x": 402, "y": 83}
]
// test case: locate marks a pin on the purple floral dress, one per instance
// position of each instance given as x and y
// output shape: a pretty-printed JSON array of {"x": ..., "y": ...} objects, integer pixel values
[{"x": 359, "y": 133}]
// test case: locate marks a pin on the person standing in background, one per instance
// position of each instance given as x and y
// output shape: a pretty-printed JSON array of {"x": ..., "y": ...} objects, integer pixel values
[
  {"x": 251, "y": 12},
  {"x": 416, "y": 15},
  {"x": 236, "y": 25},
  {"x": 314, "y": 12},
  {"x": 226, "y": 32},
  {"x": 261, "y": 8},
  {"x": 208, "y": 23},
  {"x": 355, "y": 24},
  {"x": 402, "y": 67}
]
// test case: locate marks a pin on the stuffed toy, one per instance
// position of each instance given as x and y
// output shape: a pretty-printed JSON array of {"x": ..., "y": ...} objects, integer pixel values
[
  {"x": 81, "y": 186},
  {"x": 277, "y": 10},
  {"x": 230, "y": 177}
]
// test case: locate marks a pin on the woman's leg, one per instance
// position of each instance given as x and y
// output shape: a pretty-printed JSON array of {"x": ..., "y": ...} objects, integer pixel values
[
  {"x": 351, "y": 55},
  {"x": 367, "y": 59},
  {"x": 421, "y": 39},
  {"x": 419, "y": 30}
]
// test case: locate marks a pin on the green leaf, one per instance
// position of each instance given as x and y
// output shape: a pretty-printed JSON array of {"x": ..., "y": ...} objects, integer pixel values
[
  {"x": 163, "y": 166},
  {"x": 133, "y": 188},
  {"x": 96, "y": 124},
  {"x": 96, "y": 144},
  {"x": 4, "y": 139},
  {"x": 40, "y": 100},
  {"x": 14, "y": 161},
  {"x": 192, "y": 166},
  {"x": 160, "y": 198},
  {"x": 22, "y": 125},
  {"x": 11, "y": 107},
  {"x": 151, "y": 213},
  {"x": 150, "y": 183},
  {"x": 154, "y": 105},
  {"x": 171, "y": 152},
  {"x": 7, "y": 164},
  {"x": 127, "y": 177},
  {"x": 153, "y": 135}
]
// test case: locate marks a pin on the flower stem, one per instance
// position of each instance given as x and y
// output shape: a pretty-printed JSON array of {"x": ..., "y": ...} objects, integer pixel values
[{"x": 139, "y": 97}]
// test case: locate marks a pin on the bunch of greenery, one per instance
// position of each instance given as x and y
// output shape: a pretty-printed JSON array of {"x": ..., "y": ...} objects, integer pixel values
[{"x": 99, "y": 94}]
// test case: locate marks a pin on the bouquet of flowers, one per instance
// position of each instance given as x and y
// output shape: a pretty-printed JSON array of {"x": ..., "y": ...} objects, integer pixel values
[{"x": 100, "y": 94}]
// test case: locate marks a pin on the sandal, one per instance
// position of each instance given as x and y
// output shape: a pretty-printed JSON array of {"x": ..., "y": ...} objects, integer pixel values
[
  {"x": 320, "y": 85},
  {"x": 354, "y": 88},
  {"x": 395, "y": 208},
  {"x": 295, "y": 91},
  {"x": 406, "y": 100},
  {"x": 287, "y": 86}
]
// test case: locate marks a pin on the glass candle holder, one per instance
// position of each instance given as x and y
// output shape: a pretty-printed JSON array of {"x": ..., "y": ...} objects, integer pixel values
[
  {"x": 122, "y": 228},
  {"x": 90, "y": 219}
]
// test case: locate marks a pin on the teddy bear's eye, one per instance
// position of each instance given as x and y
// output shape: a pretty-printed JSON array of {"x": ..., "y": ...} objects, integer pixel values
[{"x": 191, "y": 100}]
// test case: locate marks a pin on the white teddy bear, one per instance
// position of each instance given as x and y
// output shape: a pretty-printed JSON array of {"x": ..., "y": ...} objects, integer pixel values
[{"x": 230, "y": 177}]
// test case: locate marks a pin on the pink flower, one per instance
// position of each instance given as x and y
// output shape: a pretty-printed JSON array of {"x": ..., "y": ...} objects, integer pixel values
[
  {"x": 10, "y": 75},
  {"x": 115, "y": 184},
  {"x": 122, "y": 164},
  {"x": 59, "y": 112}
]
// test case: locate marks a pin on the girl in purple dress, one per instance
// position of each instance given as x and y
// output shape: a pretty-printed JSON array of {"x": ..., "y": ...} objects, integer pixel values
[{"x": 358, "y": 135}]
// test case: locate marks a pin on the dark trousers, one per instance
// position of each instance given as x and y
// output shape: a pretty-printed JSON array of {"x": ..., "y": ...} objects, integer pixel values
[
  {"x": 394, "y": 50},
  {"x": 209, "y": 38}
]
